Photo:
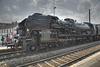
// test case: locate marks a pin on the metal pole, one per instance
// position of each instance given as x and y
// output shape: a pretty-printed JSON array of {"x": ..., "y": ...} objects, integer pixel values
[
  {"x": 89, "y": 16},
  {"x": 54, "y": 6}
]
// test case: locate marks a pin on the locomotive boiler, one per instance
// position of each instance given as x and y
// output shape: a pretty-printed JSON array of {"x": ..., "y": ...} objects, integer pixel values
[{"x": 46, "y": 31}]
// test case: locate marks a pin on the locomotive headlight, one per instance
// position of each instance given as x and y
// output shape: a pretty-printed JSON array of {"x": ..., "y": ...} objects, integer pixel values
[{"x": 27, "y": 29}]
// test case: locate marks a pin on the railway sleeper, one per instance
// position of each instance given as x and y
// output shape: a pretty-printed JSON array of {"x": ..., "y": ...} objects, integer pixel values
[{"x": 54, "y": 63}]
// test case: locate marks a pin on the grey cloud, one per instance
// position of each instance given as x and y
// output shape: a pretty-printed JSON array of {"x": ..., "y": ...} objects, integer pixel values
[
  {"x": 84, "y": 5},
  {"x": 45, "y": 7},
  {"x": 95, "y": 2},
  {"x": 98, "y": 8},
  {"x": 7, "y": 8},
  {"x": 30, "y": 2},
  {"x": 16, "y": 7},
  {"x": 95, "y": 12},
  {"x": 6, "y": 18},
  {"x": 77, "y": 9}
]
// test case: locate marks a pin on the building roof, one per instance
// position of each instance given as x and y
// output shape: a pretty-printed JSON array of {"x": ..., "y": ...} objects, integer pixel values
[{"x": 8, "y": 25}]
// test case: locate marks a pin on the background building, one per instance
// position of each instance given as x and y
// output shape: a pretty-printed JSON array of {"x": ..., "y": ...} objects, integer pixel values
[{"x": 8, "y": 28}]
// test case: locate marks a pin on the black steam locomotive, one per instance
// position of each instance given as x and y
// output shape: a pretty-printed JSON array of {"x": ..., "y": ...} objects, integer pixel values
[{"x": 49, "y": 31}]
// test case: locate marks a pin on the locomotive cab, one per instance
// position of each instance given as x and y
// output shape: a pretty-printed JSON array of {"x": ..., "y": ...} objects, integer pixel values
[{"x": 41, "y": 38}]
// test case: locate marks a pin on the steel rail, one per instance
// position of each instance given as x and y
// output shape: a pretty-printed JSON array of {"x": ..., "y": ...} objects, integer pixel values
[{"x": 47, "y": 59}]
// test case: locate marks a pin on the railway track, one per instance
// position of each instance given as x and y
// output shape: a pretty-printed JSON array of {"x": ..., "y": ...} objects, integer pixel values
[
  {"x": 65, "y": 59},
  {"x": 10, "y": 55},
  {"x": 36, "y": 59}
]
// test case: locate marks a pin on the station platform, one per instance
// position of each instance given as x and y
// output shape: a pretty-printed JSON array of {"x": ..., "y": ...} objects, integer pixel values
[
  {"x": 91, "y": 61},
  {"x": 3, "y": 47}
]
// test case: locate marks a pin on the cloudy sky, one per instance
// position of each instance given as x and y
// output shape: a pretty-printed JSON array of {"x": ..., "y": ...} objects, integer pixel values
[{"x": 17, "y": 10}]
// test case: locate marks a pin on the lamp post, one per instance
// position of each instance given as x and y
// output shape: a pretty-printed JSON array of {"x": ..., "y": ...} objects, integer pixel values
[
  {"x": 54, "y": 7},
  {"x": 89, "y": 16}
]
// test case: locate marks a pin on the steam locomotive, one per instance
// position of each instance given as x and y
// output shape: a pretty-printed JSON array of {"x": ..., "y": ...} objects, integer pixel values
[{"x": 49, "y": 31}]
